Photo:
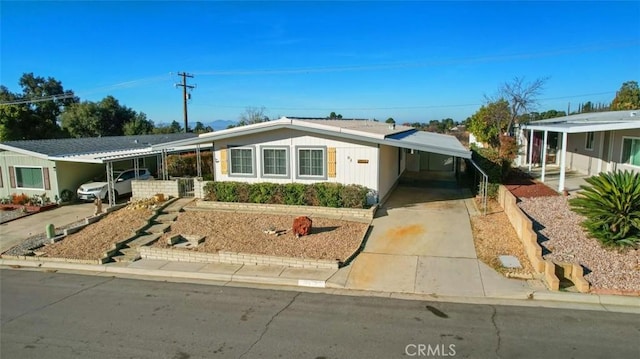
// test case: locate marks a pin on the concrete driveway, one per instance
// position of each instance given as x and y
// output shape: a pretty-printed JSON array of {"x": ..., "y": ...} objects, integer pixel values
[
  {"x": 421, "y": 242},
  {"x": 12, "y": 233}
]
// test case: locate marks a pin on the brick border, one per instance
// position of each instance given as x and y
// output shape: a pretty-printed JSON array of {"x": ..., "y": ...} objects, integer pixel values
[
  {"x": 351, "y": 213},
  {"x": 529, "y": 238},
  {"x": 185, "y": 255}
]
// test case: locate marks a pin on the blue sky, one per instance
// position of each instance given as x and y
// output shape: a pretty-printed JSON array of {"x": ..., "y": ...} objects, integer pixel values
[{"x": 413, "y": 61}]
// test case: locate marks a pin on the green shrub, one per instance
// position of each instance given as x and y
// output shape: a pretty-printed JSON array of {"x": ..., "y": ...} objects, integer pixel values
[
  {"x": 317, "y": 194},
  {"x": 354, "y": 196},
  {"x": 263, "y": 192},
  {"x": 494, "y": 165},
  {"x": 328, "y": 194},
  {"x": 611, "y": 205},
  {"x": 294, "y": 194}
]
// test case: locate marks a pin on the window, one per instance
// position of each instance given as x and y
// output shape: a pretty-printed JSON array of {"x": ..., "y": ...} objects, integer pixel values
[
  {"x": 275, "y": 162},
  {"x": 29, "y": 177},
  {"x": 241, "y": 161},
  {"x": 631, "y": 151},
  {"x": 311, "y": 162},
  {"x": 589, "y": 142}
]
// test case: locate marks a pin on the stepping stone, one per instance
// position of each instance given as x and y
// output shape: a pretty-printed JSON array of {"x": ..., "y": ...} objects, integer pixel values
[
  {"x": 144, "y": 240},
  {"x": 159, "y": 228},
  {"x": 509, "y": 262}
]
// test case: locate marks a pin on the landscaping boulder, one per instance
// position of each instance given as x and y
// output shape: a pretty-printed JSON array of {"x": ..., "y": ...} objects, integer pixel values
[{"x": 302, "y": 226}]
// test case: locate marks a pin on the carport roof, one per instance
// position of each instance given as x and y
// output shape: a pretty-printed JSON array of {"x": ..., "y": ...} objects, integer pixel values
[
  {"x": 366, "y": 131},
  {"x": 589, "y": 122},
  {"x": 92, "y": 149}
]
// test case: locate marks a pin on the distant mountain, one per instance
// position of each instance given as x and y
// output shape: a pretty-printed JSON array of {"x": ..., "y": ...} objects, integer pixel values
[{"x": 220, "y": 124}]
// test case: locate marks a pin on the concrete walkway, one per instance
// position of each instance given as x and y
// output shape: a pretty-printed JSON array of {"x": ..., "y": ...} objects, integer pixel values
[
  {"x": 12, "y": 233},
  {"x": 421, "y": 242}
]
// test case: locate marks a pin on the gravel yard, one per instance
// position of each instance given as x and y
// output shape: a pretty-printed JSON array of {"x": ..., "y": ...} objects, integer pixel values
[
  {"x": 244, "y": 232},
  {"x": 10, "y": 215},
  {"x": 93, "y": 240},
  {"x": 607, "y": 268}
]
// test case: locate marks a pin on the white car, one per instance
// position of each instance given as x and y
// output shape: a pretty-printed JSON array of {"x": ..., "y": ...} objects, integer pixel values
[{"x": 121, "y": 183}]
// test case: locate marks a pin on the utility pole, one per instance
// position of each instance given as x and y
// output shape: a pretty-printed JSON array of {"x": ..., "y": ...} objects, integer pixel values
[{"x": 185, "y": 97}]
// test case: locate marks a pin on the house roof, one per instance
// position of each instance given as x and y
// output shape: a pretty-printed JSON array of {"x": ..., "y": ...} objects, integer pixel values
[
  {"x": 361, "y": 130},
  {"x": 92, "y": 149},
  {"x": 589, "y": 122}
]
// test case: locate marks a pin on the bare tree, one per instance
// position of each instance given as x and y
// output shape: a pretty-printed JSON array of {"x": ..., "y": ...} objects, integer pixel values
[
  {"x": 522, "y": 96},
  {"x": 252, "y": 115}
]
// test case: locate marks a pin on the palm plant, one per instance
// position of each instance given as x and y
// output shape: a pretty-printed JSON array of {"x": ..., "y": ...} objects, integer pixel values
[{"x": 611, "y": 205}]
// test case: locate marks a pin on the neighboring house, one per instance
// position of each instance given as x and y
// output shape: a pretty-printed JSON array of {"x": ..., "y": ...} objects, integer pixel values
[
  {"x": 588, "y": 143},
  {"x": 55, "y": 165},
  {"x": 288, "y": 150}
]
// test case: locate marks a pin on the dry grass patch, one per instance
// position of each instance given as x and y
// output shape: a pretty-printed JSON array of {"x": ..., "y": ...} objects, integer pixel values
[{"x": 494, "y": 236}]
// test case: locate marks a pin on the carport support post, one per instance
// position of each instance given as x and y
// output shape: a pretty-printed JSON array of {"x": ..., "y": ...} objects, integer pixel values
[
  {"x": 563, "y": 162},
  {"x": 198, "y": 160},
  {"x": 110, "y": 189},
  {"x": 544, "y": 154},
  {"x": 530, "y": 148}
]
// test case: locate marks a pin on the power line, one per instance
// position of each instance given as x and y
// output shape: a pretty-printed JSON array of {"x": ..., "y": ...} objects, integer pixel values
[
  {"x": 403, "y": 107},
  {"x": 42, "y": 99},
  {"x": 184, "y": 86}
]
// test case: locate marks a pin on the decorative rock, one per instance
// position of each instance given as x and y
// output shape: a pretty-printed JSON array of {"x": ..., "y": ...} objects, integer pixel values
[{"x": 302, "y": 226}]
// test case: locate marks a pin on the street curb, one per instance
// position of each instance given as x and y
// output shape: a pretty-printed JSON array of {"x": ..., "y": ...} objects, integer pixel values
[{"x": 580, "y": 298}]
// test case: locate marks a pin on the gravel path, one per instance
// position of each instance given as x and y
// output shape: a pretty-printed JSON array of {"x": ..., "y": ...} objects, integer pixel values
[
  {"x": 6, "y": 216},
  {"x": 610, "y": 269}
]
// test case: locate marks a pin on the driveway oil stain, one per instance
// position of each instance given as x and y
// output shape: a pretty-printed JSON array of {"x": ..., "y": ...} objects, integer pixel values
[{"x": 405, "y": 231}]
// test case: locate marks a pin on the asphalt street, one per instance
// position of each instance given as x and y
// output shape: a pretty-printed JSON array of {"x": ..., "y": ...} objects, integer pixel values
[{"x": 54, "y": 315}]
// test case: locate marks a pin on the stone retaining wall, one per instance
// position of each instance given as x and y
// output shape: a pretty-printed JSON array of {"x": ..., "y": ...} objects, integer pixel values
[
  {"x": 148, "y": 189},
  {"x": 529, "y": 238},
  {"x": 352, "y": 213},
  {"x": 184, "y": 255}
]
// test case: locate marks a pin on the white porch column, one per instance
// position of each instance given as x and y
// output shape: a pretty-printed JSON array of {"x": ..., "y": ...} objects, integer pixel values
[
  {"x": 544, "y": 154},
  {"x": 530, "y": 149},
  {"x": 563, "y": 162}
]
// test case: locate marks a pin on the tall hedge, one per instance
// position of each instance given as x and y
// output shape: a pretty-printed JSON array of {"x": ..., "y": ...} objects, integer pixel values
[{"x": 323, "y": 194}]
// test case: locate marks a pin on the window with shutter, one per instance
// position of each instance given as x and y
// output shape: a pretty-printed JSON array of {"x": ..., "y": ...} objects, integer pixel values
[{"x": 224, "y": 164}]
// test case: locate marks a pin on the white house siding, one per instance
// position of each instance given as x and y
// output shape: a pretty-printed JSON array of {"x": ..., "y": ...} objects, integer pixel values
[
  {"x": 9, "y": 158},
  {"x": 389, "y": 173},
  {"x": 581, "y": 159},
  {"x": 356, "y": 162}
]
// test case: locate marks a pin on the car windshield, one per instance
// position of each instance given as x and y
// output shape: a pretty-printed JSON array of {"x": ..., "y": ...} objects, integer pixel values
[{"x": 103, "y": 177}]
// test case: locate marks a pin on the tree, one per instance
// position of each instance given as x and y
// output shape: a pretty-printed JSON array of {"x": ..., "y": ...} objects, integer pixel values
[
  {"x": 252, "y": 115},
  {"x": 627, "y": 98},
  {"x": 174, "y": 127},
  {"x": 521, "y": 97},
  {"x": 201, "y": 128},
  {"x": 36, "y": 118},
  {"x": 490, "y": 121},
  {"x": 82, "y": 120},
  {"x": 334, "y": 116},
  {"x": 104, "y": 118},
  {"x": 390, "y": 120},
  {"x": 139, "y": 125},
  {"x": 11, "y": 117}
]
